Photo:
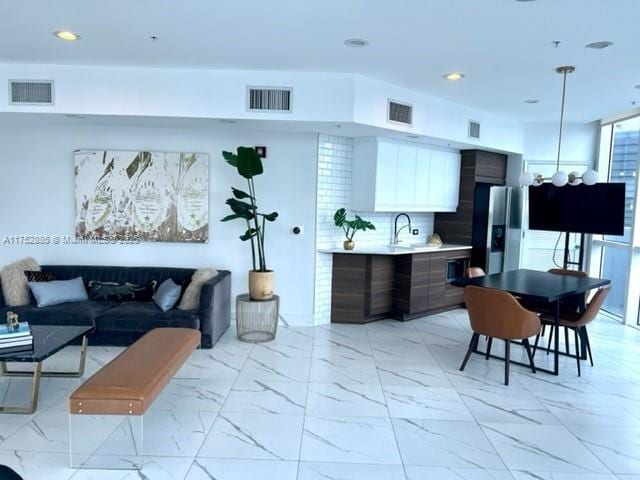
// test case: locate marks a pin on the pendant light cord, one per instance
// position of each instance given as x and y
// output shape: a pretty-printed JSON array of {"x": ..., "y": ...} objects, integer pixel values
[{"x": 564, "y": 90}]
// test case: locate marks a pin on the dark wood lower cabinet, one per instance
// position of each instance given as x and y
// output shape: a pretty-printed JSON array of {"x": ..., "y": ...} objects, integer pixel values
[{"x": 370, "y": 287}]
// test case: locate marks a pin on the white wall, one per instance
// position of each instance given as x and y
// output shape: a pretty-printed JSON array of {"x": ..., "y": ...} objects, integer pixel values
[
  {"x": 37, "y": 197},
  {"x": 579, "y": 142}
]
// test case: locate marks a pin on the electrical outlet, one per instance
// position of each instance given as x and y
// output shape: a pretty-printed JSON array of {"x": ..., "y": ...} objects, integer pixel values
[{"x": 415, "y": 231}]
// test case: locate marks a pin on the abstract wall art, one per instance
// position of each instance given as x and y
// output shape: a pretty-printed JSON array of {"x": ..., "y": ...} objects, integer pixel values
[{"x": 148, "y": 196}]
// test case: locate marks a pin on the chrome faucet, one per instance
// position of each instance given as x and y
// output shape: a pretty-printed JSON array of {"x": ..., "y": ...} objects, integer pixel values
[{"x": 396, "y": 232}]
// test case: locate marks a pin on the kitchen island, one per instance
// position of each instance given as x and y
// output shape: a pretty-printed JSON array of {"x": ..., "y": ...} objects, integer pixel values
[{"x": 372, "y": 283}]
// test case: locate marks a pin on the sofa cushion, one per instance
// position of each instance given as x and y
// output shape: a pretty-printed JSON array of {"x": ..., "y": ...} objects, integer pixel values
[
  {"x": 14, "y": 281},
  {"x": 141, "y": 317},
  {"x": 121, "y": 292},
  {"x": 76, "y": 313}
]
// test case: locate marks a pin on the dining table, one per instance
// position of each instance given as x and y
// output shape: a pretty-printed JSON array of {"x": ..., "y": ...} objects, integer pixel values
[{"x": 540, "y": 288}]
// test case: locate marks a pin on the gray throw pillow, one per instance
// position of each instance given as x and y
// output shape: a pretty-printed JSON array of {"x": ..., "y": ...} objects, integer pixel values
[
  {"x": 58, "y": 291},
  {"x": 167, "y": 295}
]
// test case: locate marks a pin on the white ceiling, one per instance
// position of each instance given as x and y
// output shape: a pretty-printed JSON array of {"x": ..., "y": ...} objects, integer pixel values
[{"x": 503, "y": 46}]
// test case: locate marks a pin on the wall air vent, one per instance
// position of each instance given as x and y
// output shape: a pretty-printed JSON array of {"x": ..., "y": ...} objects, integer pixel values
[
  {"x": 269, "y": 99},
  {"x": 30, "y": 92},
  {"x": 398, "y": 112},
  {"x": 474, "y": 129}
]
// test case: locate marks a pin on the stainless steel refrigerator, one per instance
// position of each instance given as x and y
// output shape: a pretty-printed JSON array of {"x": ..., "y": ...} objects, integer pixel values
[{"x": 497, "y": 227}]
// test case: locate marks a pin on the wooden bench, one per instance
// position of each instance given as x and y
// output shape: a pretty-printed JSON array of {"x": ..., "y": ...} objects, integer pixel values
[{"x": 130, "y": 383}]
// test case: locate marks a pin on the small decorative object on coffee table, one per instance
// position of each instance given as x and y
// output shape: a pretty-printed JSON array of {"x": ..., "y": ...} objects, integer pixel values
[
  {"x": 12, "y": 321},
  {"x": 257, "y": 320}
]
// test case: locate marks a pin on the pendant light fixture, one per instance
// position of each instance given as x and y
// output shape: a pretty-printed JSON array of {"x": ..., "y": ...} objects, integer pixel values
[{"x": 560, "y": 178}]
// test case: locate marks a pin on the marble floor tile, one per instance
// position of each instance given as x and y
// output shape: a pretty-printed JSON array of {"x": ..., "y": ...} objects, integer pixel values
[
  {"x": 266, "y": 396},
  {"x": 339, "y": 369},
  {"x": 425, "y": 402},
  {"x": 617, "y": 447},
  {"x": 490, "y": 404},
  {"x": 276, "y": 369},
  {"x": 349, "y": 439},
  {"x": 349, "y": 471},
  {"x": 549, "y": 448},
  {"x": 442, "y": 473},
  {"x": 445, "y": 444},
  {"x": 166, "y": 433},
  {"x": 234, "y": 469},
  {"x": 350, "y": 400},
  {"x": 154, "y": 468},
  {"x": 592, "y": 409},
  {"x": 37, "y": 465},
  {"x": 412, "y": 373},
  {"x": 537, "y": 475},
  {"x": 197, "y": 395},
  {"x": 254, "y": 436}
]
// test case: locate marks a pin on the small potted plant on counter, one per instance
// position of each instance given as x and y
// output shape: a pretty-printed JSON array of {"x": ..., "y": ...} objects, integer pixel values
[
  {"x": 244, "y": 207},
  {"x": 350, "y": 227}
]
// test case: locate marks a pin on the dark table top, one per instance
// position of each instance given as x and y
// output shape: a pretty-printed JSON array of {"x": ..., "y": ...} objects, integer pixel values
[
  {"x": 47, "y": 340},
  {"x": 532, "y": 283}
]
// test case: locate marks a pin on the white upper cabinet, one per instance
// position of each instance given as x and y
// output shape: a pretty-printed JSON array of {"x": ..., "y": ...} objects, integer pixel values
[{"x": 392, "y": 176}]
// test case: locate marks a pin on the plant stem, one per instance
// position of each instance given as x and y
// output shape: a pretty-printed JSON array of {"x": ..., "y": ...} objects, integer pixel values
[
  {"x": 253, "y": 247},
  {"x": 259, "y": 233}
]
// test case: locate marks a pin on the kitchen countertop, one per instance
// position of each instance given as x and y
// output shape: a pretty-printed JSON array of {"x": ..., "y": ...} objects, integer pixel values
[{"x": 395, "y": 250}]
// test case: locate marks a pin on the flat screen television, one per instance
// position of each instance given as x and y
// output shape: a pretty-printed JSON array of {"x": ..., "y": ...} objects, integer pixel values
[{"x": 595, "y": 209}]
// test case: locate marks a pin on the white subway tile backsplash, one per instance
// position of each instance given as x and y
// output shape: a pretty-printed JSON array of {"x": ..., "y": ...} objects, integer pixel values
[{"x": 335, "y": 156}]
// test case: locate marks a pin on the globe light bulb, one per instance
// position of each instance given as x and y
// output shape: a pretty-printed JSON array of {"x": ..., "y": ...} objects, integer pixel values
[
  {"x": 575, "y": 178},
  {"x": 538, "y": 179},
  {"x": 560, "y": 179},
  {"x": 590, "y": 177},
  {"x": 526, "y": 179}
]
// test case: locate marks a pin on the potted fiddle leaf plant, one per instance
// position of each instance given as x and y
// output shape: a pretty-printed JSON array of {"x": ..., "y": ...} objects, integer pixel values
[
  {"x": 244, "y": 206},
  {"x": 350, "y": 227}
]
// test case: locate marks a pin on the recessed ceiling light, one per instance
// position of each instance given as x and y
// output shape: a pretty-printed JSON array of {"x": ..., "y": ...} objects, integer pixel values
[
  {"x": 638, "y": 86},
  {"x": 227, "y": 120},
  {"x": 453, "y": 76},
  {"x": 599, "y": 45},
  {"x": 67, "y": 35},
  {"x": 75, "y": 116},
  {"x": 356, "y": 42},
  {"x": 413, "y": 135},
  {"x": 531, "y": 100},
  {"x": 525, "y": 0}
]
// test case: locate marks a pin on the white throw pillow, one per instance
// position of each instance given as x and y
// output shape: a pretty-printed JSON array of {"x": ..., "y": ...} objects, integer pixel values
[
  {"x": 14, "y": 282},
  {"x": 191, "y": 298}
]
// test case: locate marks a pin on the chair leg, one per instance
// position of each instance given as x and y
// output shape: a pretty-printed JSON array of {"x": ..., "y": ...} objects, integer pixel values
[
  {"x": 472, "y": 346},
  {"x": 486, "y": 357},
  {"x": 527, "y": 347},
  {"x": 551, "y": 333},
  {"x": 586, "y": 340},
  {"x": 544, "y": 330},
  {"x": 566, "y": 341},
  {"x": 577, "y": 341},
  {"x": 507, "y": 355}
]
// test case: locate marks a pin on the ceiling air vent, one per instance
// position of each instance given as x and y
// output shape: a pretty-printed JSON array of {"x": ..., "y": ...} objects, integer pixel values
[
  {"x": 474, "y": 129},
  {"x": 30, "y": 92},
  {"x": 269, "y": 99},
  {"x": 398, "y": 112}
]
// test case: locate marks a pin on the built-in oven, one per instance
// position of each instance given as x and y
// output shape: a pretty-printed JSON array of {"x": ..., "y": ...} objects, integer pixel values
[{"x": 456, "y": 268}]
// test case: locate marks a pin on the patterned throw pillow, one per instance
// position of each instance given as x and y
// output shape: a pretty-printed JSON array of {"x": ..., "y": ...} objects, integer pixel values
[
  {"x": 39, "y": 276},
  {"x": 121, "y": 292}
]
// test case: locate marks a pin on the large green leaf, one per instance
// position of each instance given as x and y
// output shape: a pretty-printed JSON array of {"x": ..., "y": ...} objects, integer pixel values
[
  {"x": 231, "y": 217},
  {"x": 340, "y": 217},
  {"x": 249, "y": 162},
  {"x": 231, "y": 158},
  {"x": 243, "y": 209},
  {"x": 239, "y": 194},
  {"x": 270, "y": 217},
  {"x": 248, "y": 235}
]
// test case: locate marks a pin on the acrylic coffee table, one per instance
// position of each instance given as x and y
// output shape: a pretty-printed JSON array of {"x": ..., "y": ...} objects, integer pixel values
[{"x": 47, "y": 340}]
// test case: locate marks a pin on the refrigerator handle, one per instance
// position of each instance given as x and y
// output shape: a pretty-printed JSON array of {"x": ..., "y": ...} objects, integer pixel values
[{"x": 507, "y": 230}]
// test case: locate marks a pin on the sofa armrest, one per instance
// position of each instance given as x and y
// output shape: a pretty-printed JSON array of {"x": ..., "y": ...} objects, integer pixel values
[{"x": 215, "y": 308}]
